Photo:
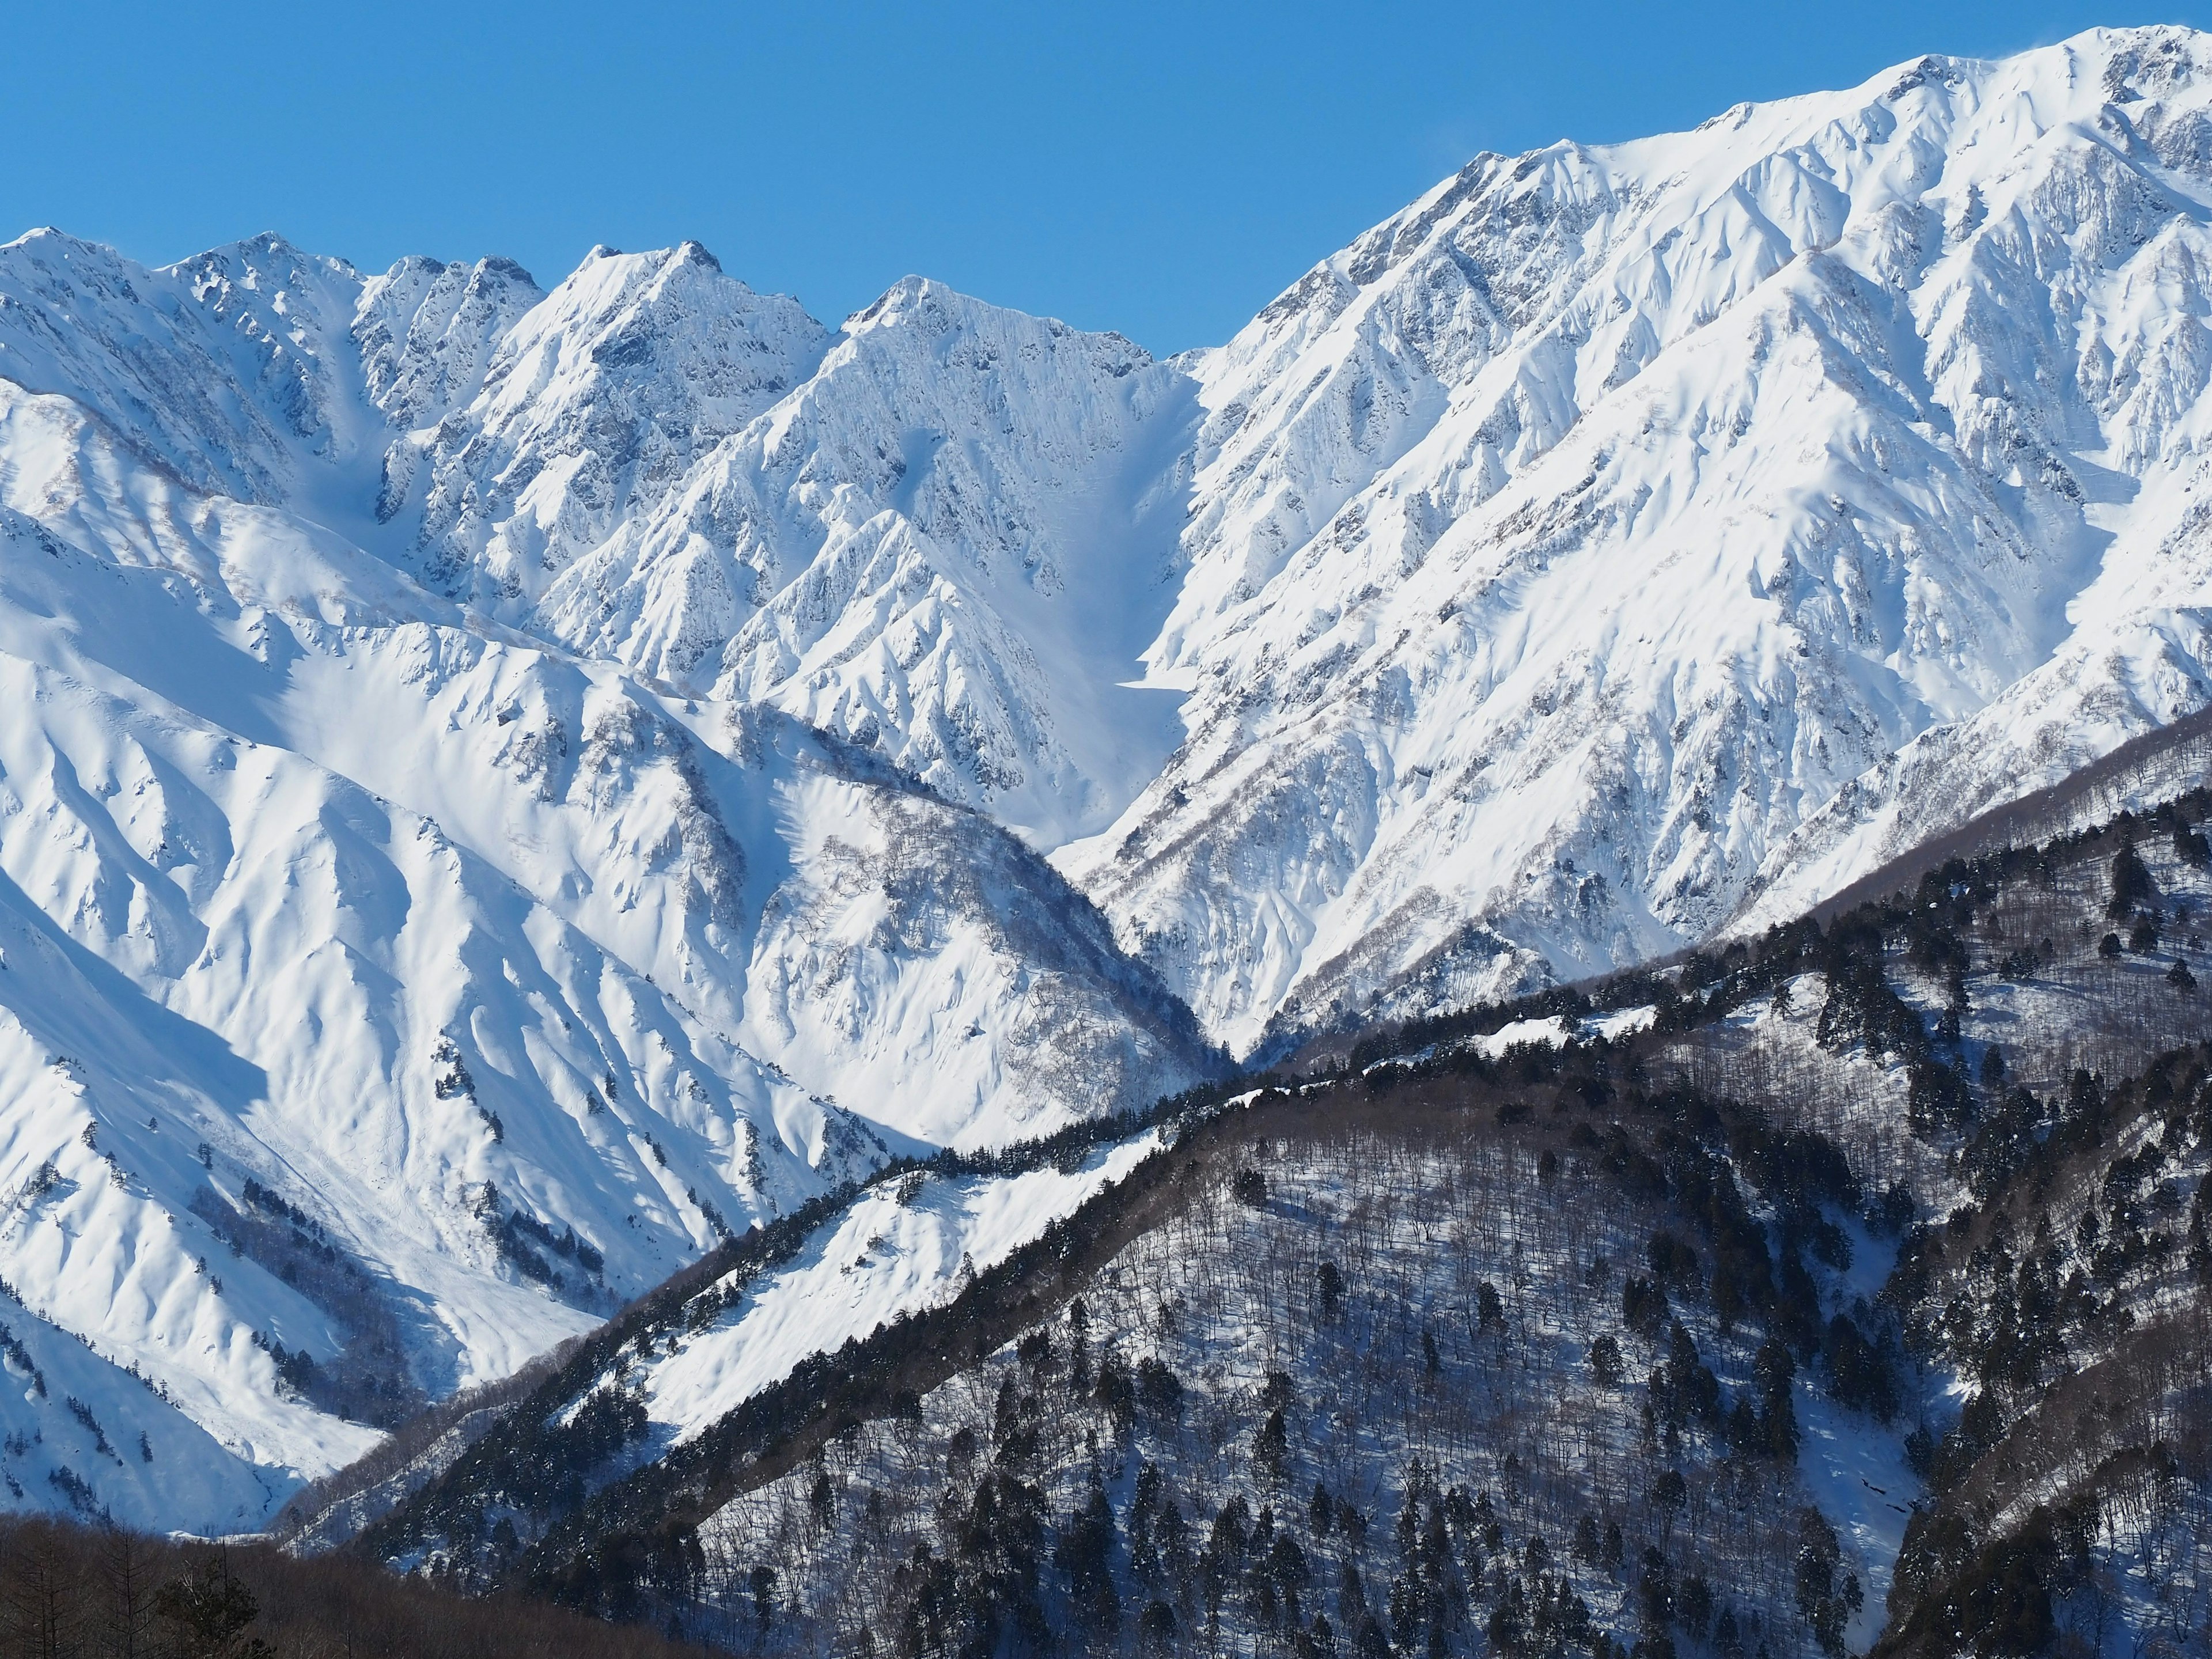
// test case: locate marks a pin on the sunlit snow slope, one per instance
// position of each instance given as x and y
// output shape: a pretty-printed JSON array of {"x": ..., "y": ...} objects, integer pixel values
[{"x": 946, "y": 533}]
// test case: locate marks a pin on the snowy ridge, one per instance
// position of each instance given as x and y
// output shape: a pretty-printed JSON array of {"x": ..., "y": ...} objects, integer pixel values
[
  {"x": 427, "y": 331},
  {"x": 951, "y": 544},
  {"x": 1583, "y": 546},
  {"x": 189, "y": 368},
  {"x": 946, "y": 533},
  {"x": 594, "y": 403},
  {"x": 898, "y": 1248}
]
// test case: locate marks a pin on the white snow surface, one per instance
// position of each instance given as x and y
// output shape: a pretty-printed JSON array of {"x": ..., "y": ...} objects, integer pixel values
[
  {"x": 1620, "y": 523},
  {"x": 1617, "y": 535},
  {"x": 878, "y": 1259},
  {"x": 1552, "y": 1033}
]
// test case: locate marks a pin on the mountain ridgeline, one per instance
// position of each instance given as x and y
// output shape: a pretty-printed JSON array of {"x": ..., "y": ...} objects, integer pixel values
[{"x": 1510, "y": 966}]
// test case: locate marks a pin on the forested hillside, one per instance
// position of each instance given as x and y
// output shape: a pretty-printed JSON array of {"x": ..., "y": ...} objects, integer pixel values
[
  {"x": 70, "y": 1591},
  {"x": 1845, "y": 1288}
]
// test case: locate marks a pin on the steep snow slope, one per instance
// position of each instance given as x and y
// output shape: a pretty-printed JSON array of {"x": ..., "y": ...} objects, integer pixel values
[
  {"x": 216, "y": 372},
  {"x": 945, "y": 532},
  {"x": 896, "y": 1249},
  {"x": 2123, "y": 674},
  {"x": 1565, "y": 544},
  {"x": 950, "y": 544},
  {"x": 1612, "y": 531},
  {"x": 593, "y": 405},
  {"x": 385, "y": 989},
  {"x": 427, "y": 332}
]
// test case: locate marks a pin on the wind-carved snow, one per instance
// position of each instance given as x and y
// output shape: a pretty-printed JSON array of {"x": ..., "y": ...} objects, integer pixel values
[{"x": 1563, "y": 546}]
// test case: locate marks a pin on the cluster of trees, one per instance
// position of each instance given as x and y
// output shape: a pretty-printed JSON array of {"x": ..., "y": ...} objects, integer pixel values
[
  {"x": 524, "y": 1243},
  {"x": 2076, "y": 1298},
  {"x": 71, "y": 1592},
  {"x": 2071, "y": 1293},
  {"x": 495, "y": 1476},
  {"x": 1328, "y": 1403},
  {"x": 370, "y": 1381}
]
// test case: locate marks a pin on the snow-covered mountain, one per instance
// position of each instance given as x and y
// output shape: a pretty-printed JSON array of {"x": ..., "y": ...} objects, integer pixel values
[
  {"x": 1585, "y": 541},
  {"x": 384, "y": 986},
  {"x": 531, "y": 778},
  {"x": 945, "y": 532}
]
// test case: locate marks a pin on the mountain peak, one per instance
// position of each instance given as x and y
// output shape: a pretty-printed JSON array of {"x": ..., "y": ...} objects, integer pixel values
[
  {"x": 1480, "y": 467},
  {"x": 42, "y": 235},
  {"x": 901, "y": 296},
  {"x": 268, "y": 256}
]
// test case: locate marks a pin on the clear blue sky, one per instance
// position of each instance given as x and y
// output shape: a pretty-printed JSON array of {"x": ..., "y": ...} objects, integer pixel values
[{"x": 1163, "y": 169}]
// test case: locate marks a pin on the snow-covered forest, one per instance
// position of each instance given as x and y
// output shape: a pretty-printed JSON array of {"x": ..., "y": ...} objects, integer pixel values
[{"x": 1811, "y": 1291}]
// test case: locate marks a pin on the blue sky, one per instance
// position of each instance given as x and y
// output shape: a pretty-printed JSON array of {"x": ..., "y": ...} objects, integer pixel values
[{"x": 1163, "y": 169}]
